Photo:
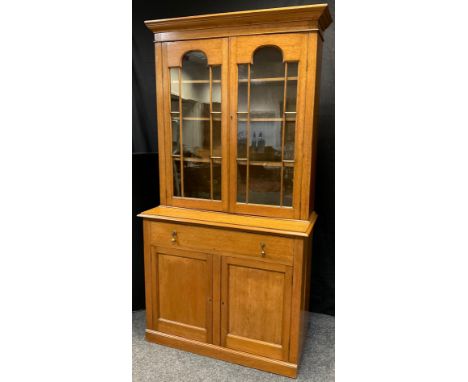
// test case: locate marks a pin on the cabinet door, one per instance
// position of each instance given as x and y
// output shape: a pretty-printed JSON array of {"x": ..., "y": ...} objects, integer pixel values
[
  {"x": 181, "y": 292},
  {"x": 255, "y": 307},
  {"x": 195, "y": 114},
  {"x": 267, "y": 93}
]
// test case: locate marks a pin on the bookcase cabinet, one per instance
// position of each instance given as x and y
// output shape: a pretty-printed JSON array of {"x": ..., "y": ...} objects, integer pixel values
[{"x": 227, "y": 253}]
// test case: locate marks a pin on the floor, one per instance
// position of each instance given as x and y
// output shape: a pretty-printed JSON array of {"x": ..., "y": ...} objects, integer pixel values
[{"x": 155, "y": 363}]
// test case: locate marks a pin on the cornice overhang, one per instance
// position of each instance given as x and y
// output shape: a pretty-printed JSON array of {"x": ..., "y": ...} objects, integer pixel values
[{"x": 317, "y": 14}]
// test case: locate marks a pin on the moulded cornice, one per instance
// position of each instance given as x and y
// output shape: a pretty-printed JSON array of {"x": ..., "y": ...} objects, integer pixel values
[{"x": 317, "y": 13}]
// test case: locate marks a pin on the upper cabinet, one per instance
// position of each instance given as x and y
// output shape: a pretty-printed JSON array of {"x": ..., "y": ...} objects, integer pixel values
[{"x": 237, "y": 101}]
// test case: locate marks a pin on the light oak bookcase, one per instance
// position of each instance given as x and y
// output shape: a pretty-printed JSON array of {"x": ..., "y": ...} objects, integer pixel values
[{"x": 228, "y": 251}]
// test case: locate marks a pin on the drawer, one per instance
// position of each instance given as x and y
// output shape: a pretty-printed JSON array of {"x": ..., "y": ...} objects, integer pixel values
[{"x": 277, "y": 248}]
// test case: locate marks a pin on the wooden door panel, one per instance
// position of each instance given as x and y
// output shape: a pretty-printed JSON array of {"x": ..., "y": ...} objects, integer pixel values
[
  {"x": 257, "y": 298},
  {"x": 182, "y": 293},
  {"x": 195, "y": 110},
  {"x": 265, "y": 173},
  {"x": 256, "y": 301}
]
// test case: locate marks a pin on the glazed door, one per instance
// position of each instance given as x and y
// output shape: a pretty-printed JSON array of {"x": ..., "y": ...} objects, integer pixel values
[
  {"x": 196, "y": 115},
  {"x": 267, "y": 77},
  {"x": 255, "y": 307},
  {"x": 181, "y": 292}
]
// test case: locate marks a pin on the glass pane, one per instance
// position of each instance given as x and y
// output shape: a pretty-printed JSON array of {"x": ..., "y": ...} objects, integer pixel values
[
  {"x": 174, "y": 89},
  {"x": 175, "y": 136},
  {"x": 216, "y": 73},
  {"x": 265, "y": 111},
  {"x": 216, "y": 97},
  {"x": 266, "y": 99},
  {"x": 291, "y": 95},
  {"x": 289, "y": 138},
  {"x": 292, "y": 69},
  {"x": 201, "y": 130},
  {"x": 241, "y": 140},
  {"x": 242, "y": 97},
  {"x": 267, "y": 63},
  {"x": 196, "y": 138},
  {"x": 195, "y": 67},
  {"x": 176, "y": 176},
  {"x": 241, "y": 177},
  {"x": 265, "y": 141},
  {"x": 195, "y": 85},
  {"x": 288, "y": 175},
  {"x": 264, "y": 185},
  {"x": 174, "y": 103},
  {"x": 174, "y": 76},
  {"x": 196, "y": 100},
  {"x": 217, "y": 179},
  {"x": 242, "y": 71},
  {"x": 197, "y": 180},
  {"x": 216, "y": 138}
]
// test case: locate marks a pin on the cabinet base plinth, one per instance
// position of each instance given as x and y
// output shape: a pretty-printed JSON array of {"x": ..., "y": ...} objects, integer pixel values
[{"x": 225, "y": 354}]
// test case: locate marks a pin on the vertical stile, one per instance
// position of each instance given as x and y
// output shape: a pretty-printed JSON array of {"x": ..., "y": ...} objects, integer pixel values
[
  {"x": 247, "y": 128},
  {"x": 211, "y": 133},
  {"x": 283, "y": 128},
  {"x": 180, "y": 135}
]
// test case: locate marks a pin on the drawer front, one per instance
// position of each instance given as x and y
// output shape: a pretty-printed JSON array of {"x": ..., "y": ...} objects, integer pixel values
[{"x": 269, "y": 247}]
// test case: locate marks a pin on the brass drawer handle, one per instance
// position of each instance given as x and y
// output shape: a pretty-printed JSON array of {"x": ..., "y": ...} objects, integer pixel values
[
  {"x": 174, "y": 236},
  {"x": 262, "y": 246}
]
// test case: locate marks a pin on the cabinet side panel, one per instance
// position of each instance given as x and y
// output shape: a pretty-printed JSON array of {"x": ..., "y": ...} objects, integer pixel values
[
  {"x": 305, "y": 293},
  {"x": 148, "y": 276},
  {"x": 310, "y": 122},
  {"x": 296, "y": 316},
  {"x": 160, "y": 115},
  {"x": 315, "y": 128}
]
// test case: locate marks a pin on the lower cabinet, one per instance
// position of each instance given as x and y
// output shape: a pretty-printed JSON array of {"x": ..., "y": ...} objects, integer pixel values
[{"x": 242, "y": 307}]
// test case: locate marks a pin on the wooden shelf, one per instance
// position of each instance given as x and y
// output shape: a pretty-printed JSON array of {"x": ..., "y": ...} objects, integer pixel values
[
  {"x": 261, "y": 120},
  {"x": 197, "y": 118},
  {"x": 196, "y": 81},
  {"x": 252, "y": 80},
  {"x": 268, "y": 79},
  {"x": 266, "y": 119},
  {"x": 287, "y": 163},
  {"x": 196, "y": 160}
]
